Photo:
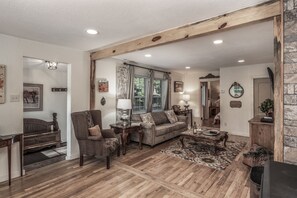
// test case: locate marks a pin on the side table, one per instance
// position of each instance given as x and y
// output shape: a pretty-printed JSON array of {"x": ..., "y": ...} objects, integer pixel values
[
  {"x": 7, "y": 141},
  {"x": 125, "y": 131},
  {"x": 188, "y": 113}
]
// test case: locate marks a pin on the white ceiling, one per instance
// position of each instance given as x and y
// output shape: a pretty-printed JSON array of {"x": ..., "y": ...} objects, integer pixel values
[
  {"x": 32, "y": 63},
  {"x": 253, "y": 43},
  {"x": 64, "y": 23}
]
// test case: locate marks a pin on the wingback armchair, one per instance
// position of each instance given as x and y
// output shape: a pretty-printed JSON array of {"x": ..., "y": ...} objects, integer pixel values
[{"x": 103, "y": 145}]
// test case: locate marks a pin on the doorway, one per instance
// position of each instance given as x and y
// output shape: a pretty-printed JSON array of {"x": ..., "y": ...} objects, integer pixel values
[
  {"x": 210, "y": 100},
  {"x": 45, "y": 127},
  {"x": 262, "y": 91}
]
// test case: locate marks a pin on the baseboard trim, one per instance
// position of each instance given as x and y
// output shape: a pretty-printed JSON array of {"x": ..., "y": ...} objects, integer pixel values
[
  {"x": 15, "y": 174},
  {"x": 71, "y": 157}
]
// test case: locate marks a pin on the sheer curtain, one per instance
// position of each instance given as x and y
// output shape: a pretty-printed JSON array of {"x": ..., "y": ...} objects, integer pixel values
[
  {"x": 150, "y": 91},
  {"x": 125, "y": 83},
  {"x": 131, "y": 85},
  {"x": 166, "y": 100}
]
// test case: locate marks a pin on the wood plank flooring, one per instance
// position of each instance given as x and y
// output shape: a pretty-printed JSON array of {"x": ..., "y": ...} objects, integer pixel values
[{"x": 141, "y": 173}]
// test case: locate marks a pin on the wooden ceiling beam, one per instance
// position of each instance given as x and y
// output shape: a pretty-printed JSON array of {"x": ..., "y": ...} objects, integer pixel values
[{"x": 256, "y": 13}]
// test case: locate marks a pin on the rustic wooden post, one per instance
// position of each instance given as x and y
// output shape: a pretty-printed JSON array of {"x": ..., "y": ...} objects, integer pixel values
[
  {"x": 92, "y": 83},
  {"x": 278, "y": 90}
]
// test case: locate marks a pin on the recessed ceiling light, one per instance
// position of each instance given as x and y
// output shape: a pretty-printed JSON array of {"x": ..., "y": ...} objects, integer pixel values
[
  {"x": 216, "y": 42},
  {"x": 188, "y": 67},
  {"x": 148, "y": 55},
  {"x": 241, "y": 61},
  {"x": 92, "y": 31}
]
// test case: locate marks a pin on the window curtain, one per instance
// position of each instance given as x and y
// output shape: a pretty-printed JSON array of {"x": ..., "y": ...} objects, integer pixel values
[
  {"x": 150, "y": 91},
  {"x": 125, "y": 84},
  {"x": 166, "y": 100},
  {"x": 131, "y": 86}
]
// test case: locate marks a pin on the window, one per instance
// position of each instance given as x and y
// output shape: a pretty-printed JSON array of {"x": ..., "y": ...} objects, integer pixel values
[
  {"x": 141, "y": 94},
  {"x": 139, "y": 102},
  {"x": 157, "y": 95}
]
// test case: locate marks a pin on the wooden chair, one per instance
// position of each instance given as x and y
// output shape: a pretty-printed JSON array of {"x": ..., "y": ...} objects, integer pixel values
[{"x": 92, "y": 145}]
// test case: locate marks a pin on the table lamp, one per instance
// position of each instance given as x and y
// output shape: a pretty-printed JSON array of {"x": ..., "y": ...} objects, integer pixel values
[
  {"x": 186, "y": 98},
  {"x": 124, "y": 105}
]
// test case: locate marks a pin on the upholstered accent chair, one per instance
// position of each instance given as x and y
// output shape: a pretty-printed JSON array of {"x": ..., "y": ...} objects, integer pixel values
[{"x": 103, "y": 145}]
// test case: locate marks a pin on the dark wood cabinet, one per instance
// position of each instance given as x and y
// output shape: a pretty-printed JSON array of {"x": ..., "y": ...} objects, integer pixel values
[{"x": 261, "y": 133}]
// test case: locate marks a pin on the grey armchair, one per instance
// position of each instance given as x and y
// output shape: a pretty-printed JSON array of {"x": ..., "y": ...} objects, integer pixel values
[{"x": 92, "y": 145}]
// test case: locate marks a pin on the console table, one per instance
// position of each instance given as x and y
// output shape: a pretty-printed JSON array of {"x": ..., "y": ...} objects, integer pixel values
[
  {"x": 125, "y": 130},
  {"x": 261, "y": 133},
  {"x": 7, "y": 141}
]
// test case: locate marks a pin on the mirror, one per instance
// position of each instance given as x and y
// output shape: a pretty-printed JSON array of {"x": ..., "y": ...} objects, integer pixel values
[{"x": 236, "y": 90}]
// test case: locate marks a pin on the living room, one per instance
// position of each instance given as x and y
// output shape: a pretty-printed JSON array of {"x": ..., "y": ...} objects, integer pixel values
[{"x": 107, "y": 51}]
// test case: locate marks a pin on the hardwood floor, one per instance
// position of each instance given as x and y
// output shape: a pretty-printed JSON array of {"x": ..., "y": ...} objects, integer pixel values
[{"x": 145, "y": 173}]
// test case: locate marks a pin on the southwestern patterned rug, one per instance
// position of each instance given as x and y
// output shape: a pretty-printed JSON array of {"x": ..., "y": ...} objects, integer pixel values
[{"x": 202, "y": 153}]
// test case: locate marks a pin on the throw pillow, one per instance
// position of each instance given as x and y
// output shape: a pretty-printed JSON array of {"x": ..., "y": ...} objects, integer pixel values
[
  {"x": 95, "y": 131},
  {"x": 171, "y": 116},
  {"x": 147, "y": 118}
]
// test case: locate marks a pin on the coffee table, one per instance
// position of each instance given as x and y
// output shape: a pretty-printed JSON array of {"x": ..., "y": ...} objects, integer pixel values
[{"x": 199, "y": 136}]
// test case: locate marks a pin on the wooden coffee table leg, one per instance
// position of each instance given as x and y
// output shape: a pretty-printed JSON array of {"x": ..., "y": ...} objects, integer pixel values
[
  {"x": 225, "y": 139},
  {"x": 182, "y": 142}
]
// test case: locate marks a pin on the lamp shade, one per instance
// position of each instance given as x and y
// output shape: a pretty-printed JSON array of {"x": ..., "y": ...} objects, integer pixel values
[
  {"x": 124, "y": 104},
  {"x": 186, "y": 97}
]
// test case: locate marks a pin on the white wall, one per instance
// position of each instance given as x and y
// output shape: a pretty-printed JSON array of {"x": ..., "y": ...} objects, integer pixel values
[
  {"x": 235, "y": 120},
  {"x": 191, "y": 87},
  {"x": 53, "y": 102},
  {"x": 176, "y": 96},
  {"x": 106, "y": 69},
  {"x": 12, "y": 50}
]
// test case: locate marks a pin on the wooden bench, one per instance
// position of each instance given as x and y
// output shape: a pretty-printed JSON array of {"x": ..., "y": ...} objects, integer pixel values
[{"x": 39, "y": 134}]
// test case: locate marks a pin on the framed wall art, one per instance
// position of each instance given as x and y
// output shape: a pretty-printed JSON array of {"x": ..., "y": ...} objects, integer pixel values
[
  {"x": 103, "y": 86},
  {"x": 2, "y": 83},
  {"x": 178, "y": 86},
  {"x": 33, "y": 97}
]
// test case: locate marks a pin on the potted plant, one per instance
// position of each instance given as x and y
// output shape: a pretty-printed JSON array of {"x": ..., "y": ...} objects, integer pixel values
[{"x": 267, "y": 107}]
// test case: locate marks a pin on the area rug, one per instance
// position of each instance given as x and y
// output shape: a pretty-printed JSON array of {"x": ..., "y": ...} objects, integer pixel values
[{"x": 202, "y": 153}]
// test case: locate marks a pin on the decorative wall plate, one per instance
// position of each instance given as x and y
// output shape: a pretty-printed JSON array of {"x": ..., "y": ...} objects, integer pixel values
[{"x": 103, "y": 101}]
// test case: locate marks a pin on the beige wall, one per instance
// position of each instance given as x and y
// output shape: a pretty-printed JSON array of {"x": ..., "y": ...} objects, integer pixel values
[
  {"x": 106, "y": 69},
  {"x": 235, "y": 120},
  {"x": 12, "y": 50}
]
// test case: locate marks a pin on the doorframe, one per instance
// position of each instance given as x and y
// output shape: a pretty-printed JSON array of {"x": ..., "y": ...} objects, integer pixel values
[{"x": 68, "y": 108}]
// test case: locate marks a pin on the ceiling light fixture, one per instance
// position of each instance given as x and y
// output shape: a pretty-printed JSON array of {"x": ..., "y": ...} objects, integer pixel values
[
  {"x": 92, "y": 31},
  {"x": 241, "y": 61},
  {"x": 51, "y": 65},
  {"x": 217, "y": 42},
  {"x": 148, "y": 55},
  {"x": 188, "y": 67}
]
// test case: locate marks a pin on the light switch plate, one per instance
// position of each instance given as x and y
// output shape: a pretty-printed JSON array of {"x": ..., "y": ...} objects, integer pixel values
[{"x": 15, "y": 98}]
